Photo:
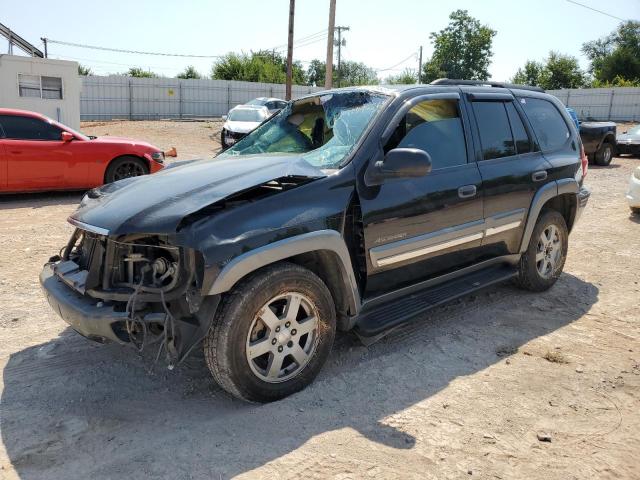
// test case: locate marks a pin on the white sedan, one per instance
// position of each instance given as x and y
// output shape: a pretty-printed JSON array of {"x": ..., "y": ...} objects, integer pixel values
[
  {"x": 240, "y": 121},
  {"x": 633, "y": 194}
]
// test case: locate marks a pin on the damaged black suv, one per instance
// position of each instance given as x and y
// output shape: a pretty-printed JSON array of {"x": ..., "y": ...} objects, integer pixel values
[{"x": 352, "y": 209}]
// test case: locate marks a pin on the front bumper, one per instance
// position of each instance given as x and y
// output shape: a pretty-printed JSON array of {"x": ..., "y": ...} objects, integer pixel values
[
  {"x": 628, "y": 148},
  {"x": 229, "y": 139},
  {"x": 87, "y": 316},
  {"x": 633, "y": 193}
]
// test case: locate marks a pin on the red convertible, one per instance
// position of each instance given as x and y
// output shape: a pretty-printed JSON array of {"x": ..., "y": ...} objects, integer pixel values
[{"x": 37, "y": 153}]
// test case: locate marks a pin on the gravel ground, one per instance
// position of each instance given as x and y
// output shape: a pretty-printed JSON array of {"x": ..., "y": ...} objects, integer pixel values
[{"x": 501, "y": 384}]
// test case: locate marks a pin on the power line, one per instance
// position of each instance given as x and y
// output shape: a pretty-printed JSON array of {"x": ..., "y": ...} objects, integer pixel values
[
  {"x": 412, "y": 56},
  {"x": 137, "y": 52},
  {"x": 596, "y": 10}
]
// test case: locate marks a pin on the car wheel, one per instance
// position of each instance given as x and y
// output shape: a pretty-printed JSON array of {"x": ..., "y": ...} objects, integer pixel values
[
  {"x": 125, "y": 167},
  {"x": 272, "y": 333},
  {"x": 223, "y": 140},
  {"x": 604, "y": 155},
  {"x": 635, "y": 210},
  {"x": 543, "y": 261}
]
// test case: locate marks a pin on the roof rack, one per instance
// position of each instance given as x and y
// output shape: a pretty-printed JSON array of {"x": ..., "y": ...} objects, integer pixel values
[{"x": 484, "y": 83}]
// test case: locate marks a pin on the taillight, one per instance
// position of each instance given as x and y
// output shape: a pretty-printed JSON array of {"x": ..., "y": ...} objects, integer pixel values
[{"x": 584, "y": 161}]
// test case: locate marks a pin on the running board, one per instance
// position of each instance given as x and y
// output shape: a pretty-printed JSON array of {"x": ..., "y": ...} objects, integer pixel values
[{"x": 375, "y": 322}]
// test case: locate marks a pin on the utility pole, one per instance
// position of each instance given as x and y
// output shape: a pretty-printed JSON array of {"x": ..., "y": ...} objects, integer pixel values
[
  {"x": 340, "y": 43},
  {"x": 328, "y": 73},
  {"x": 292, "y": 7},
  {"x": 420, "y": 66},
  {"x": 44, "y": 40}
]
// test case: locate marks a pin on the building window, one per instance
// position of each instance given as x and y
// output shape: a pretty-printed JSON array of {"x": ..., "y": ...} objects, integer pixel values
[{"x": 40, "y": 86}]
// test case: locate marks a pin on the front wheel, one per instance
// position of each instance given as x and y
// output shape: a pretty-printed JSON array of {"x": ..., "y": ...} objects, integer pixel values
[
  {"x": 125, "y": 167},
  {"x": 272, "y": 334},
  {"x": 543, "y": 261}
]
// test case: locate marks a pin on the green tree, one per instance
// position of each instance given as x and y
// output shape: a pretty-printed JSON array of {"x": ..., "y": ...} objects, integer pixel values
[
  {"x": 407, "y": 77},
  {"x": 262, "y": 66},
  {"x": 190, "y": 73},
  {"x": 561, "y": 71},
  {"x": 557, "y": 71},
  {"x": 316, "y": 72},
  {"x": 140, "y": 73},
  {"x": 355, "y": 73},
  {"x": 529, "y": 74},
  {"x": 462, "y": 50},
  {"x": 616, "y": 55},
  {"x": 84, "y": 71}
]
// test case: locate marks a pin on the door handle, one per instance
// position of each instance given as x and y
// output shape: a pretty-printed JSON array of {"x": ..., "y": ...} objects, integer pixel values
[
  {"x": 539, "y": 176},
  {"x": 467, "y": 191}
]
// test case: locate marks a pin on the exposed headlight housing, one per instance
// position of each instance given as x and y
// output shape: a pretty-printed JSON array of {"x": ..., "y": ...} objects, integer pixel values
[{"x": 158, "y": 157}]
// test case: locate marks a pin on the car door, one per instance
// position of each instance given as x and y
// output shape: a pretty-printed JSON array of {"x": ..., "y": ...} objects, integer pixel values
[
  {"x": 37, "y": 158},
  {"x": 511, "y": 166},
  {"x": 418, "y": 228},
  {"x": 3, "y": 164}
]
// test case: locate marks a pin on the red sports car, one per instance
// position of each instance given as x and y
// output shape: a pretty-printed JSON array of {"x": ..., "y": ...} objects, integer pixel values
[{"x": 37, "y": 153}]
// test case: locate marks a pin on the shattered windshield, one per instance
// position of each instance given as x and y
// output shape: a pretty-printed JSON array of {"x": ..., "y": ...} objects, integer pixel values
[{"x": 321, "y": 129}]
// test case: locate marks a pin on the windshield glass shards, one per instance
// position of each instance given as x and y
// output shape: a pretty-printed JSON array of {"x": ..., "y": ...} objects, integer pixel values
[{"x": 322, "y": 129}]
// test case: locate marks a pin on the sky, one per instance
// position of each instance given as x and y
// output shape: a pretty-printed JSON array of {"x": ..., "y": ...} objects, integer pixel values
[{"x": 382, "y": 33}]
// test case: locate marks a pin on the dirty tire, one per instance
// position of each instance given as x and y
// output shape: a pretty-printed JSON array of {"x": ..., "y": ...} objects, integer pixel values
[
  {"x": 124, "y": 167},
  {"x": 529, "y": 276},
  {"x": 225, "y": 343},
  {"x": 604, "y": 155}
]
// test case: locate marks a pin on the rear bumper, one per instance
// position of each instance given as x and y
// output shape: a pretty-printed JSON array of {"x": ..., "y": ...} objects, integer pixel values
[
  {"x": 583, "y": 196},
  {"x": 87, "y": 316}
]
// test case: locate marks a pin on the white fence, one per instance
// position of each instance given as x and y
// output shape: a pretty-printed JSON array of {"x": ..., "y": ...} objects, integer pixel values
[
  {"x": 116, "y": 97},
  {"x": 616, "y": 104}
]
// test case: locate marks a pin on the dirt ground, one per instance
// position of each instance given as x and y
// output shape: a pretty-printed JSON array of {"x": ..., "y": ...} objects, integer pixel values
[{"x": 472, "y": 390}]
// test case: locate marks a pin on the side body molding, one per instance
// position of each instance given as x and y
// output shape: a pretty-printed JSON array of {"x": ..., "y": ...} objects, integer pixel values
[
  {"x": 546, "y": 193},
  {"x": 319, "y": 240}
]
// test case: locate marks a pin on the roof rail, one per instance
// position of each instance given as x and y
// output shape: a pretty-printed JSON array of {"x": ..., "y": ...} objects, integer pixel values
[{"x": 484, "y": 83}]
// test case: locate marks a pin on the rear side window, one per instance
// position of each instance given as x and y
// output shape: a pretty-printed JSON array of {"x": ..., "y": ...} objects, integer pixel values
[
  {"x": 495, "y": 132},
  {"x": 27, "y": 128},
  {"x": 523, "y": 145},
  {"x": 547, "y": 122},
  {"x": 434, "y": 126}
]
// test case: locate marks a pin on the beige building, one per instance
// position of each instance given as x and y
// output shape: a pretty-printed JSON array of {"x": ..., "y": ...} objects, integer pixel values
[{"x": 43, "y": 85}]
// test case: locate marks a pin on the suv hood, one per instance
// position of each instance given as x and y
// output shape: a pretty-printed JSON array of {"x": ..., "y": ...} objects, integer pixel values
[{"x": 157, "y": 203}]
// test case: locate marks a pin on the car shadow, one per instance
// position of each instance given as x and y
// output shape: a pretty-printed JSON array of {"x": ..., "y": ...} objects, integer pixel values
[
  {"x": 39, "y": 200},
  {"x": 75, "y": 409}
]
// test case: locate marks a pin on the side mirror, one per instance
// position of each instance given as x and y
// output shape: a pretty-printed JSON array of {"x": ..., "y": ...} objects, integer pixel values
[
  {"x": 224, "y": 118},
  {"x": 400, "y": 163},
  {"x": 66, "y": 136}
]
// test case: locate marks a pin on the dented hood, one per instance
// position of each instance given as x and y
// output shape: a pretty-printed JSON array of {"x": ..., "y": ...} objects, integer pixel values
[{"x": 156, "y": 203}]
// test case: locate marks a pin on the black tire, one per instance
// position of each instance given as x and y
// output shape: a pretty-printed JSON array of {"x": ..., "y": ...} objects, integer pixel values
[
  {"x": 635, "y": 210},
  {"x": 604, "y": 155},
  {"x": 125, "y": 167},
  {"x": 226, "y": 346},
  {"x": 222, "y": 140},
  {"x": 529, "y": 275}
]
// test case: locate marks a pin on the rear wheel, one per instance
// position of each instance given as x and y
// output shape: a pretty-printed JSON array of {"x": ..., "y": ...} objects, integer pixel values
[
  {"x": 604, "y": 155},
  {"x": 542, "y": 263},
  {"x": 272, "y": 334},
  {"x": 125, "y": 167}
]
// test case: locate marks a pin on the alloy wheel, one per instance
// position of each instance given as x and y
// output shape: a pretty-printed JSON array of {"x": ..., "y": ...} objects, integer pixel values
[
  {"x": 549, "y": 251},
  {"x": 128, "y": 169},
  {"x": 282, "y": 337}
]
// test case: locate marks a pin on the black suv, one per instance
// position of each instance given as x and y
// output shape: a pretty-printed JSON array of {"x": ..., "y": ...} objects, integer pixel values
[{"x": 351, "y": 209}]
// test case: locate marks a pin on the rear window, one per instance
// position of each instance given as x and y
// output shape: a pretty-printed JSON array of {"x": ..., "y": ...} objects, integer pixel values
[
  {"x": 495, "y": 131},
  {"x": 547, "y": 122}
]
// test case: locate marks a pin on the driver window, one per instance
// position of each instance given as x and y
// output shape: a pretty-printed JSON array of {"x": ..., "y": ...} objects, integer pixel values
[
  {"x": 434, "y": 126},
  {"x": 28, "y": 128}
]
